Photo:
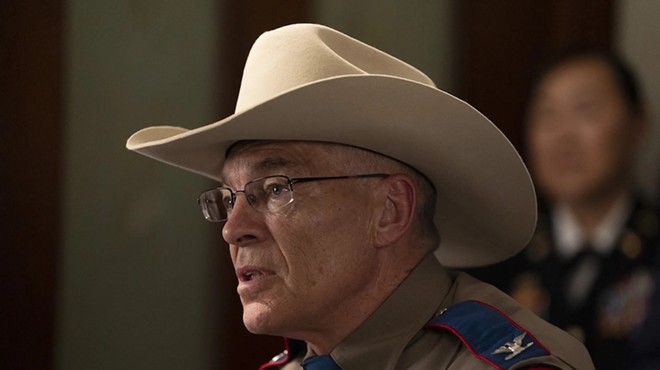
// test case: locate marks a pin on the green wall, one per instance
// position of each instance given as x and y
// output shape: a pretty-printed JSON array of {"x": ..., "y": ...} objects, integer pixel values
[{"x": 135, "y": 280}]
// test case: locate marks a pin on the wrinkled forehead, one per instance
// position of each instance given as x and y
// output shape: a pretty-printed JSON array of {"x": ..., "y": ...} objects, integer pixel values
[
  {"x": 317, "y": 158},
  {"x": 264, "y": 157},
  {"x": 245, "y": 145}
]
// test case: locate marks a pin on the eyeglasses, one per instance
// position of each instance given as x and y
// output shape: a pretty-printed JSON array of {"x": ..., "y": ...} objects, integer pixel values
[{"x": 265, "y": 194}]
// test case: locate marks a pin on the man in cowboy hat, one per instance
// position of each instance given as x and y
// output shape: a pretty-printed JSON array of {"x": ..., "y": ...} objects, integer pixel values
[{"x": 348, "y": 185}]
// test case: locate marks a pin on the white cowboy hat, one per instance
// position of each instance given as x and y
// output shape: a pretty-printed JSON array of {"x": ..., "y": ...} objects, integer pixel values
[{"x": 310, "y": 82}]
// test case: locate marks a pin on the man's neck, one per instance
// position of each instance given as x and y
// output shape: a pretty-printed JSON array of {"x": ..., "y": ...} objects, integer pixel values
[{"x": 384, "y": 282}]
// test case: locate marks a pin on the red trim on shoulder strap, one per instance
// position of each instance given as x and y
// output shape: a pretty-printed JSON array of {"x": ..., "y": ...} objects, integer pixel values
[
  {"x": 280, "y": 359},
  {"x": 538, "y": 342},
  {"x": 490, "y": 334}
]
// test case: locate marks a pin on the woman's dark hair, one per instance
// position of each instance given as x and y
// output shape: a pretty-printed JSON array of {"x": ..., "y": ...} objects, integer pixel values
[{"x": 623, "y": 74}]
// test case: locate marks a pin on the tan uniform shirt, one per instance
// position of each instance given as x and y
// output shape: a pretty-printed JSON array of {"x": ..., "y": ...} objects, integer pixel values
[{"x": 395, "y": 337}]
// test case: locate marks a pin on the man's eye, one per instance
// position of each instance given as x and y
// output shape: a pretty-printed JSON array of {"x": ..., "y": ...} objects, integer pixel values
[
  {"x": 275, "y": 190},
  {"x": 227, "y": 201}
]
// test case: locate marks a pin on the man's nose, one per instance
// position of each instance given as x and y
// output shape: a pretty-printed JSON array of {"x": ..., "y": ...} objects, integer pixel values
[{"x": 241, "y": 226}]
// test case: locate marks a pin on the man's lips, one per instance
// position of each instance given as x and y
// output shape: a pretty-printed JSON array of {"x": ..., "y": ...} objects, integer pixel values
[{"x": 252, "y": 273}]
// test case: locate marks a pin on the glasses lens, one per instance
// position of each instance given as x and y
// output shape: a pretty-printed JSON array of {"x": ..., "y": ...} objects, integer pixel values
[
  {"x": 269, "y": 193},
  {"x": 266, "y": 194},
  {"x": 214, "y": 204}
]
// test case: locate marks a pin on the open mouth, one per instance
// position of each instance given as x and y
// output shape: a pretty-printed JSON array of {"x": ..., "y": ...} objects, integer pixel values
[{"x": 250, "y": 274}]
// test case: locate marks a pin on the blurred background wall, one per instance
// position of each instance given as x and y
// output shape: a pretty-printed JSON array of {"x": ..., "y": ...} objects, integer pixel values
[
  {"x": 105, "y": 260},
  {"x": 136, "y": 278},
  {"x": 637, "y": 33}
]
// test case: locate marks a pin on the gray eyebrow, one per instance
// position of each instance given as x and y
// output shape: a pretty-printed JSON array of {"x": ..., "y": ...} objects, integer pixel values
[
  {"x": 273, "y": 163},
  {"x": 269, "y": 164}
]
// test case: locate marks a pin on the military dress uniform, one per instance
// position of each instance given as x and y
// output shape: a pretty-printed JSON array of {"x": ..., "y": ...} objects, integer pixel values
[
  {"x": 644, "y": 344},
  {"x": 618, "y": 280},
  {"x": 437, "y": 319}
]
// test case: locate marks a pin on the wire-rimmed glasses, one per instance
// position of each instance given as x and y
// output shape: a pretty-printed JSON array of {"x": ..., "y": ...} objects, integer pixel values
[{"x": 265, "y": 194}]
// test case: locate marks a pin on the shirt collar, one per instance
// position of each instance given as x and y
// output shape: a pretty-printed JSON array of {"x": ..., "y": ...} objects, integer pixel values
[
  {"x": 379, "y": 341},
  {"x": 570, "y": 238}
]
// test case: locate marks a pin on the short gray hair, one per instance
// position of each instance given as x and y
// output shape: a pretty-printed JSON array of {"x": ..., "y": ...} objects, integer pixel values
[{"x": 359, "y": 159}]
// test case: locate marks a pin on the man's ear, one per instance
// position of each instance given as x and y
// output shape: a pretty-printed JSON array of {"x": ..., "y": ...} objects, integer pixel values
[{"x": 397, "y": 212}]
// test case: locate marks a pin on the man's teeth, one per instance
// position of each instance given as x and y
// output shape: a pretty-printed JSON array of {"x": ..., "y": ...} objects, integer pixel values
[{"x": 252, "y": 275}]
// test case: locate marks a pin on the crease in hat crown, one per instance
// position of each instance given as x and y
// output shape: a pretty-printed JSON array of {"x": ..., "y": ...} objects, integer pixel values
[{"x": 313, "y": 53}]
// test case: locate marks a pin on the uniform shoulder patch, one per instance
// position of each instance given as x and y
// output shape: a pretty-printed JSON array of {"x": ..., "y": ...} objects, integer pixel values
[{"x": 489, "y": 334}]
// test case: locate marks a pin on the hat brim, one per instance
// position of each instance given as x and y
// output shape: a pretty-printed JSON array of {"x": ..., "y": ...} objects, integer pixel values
[{"x": 486, "y": 209}]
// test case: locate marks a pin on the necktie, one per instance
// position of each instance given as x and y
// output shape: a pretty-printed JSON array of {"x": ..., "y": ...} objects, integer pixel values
[
  {"x": 582, "y": 273},
  {"x": 324, "y": 362}
]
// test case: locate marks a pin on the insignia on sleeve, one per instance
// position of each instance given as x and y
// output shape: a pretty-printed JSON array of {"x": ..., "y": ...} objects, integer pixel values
[
  {"x": 489, "y": 334},
  {"x": 513, "y": 348}
]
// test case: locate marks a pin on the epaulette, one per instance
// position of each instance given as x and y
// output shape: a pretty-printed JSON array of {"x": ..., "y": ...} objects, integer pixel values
[
  {"x": 489, "y": 334},
  {"x": 292, "y": 349}
]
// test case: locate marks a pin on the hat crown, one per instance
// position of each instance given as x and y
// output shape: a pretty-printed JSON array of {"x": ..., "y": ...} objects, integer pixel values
[{"x": 295, "y": 55}]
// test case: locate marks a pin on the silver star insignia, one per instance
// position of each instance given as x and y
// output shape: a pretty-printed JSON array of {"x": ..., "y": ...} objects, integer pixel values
[{"x": 513, "y": 348}]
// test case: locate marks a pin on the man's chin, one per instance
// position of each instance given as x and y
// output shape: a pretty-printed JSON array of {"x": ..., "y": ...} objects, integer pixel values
[{"x": 258, "y": 319}]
